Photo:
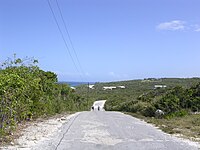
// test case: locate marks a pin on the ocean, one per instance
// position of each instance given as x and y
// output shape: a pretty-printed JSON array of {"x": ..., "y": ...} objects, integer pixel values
[{"x": 73, "y": 84}]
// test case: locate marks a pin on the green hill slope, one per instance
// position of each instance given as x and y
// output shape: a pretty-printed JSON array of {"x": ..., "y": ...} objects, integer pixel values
[{"x": 139, "y": 95}]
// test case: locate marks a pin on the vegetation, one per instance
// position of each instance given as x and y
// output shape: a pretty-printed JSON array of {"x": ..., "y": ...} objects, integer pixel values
[
  {"x": 28, "y": 92},
  {"x": 179, "y": 97},
  {"x": 179, "y": 101},
  {"x": 185, "y": 126}
]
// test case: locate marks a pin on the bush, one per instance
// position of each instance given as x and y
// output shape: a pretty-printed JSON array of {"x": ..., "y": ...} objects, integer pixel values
[
  {"x": 149, "y": 111},
  {"x": 180, "y": 113},
  {"x": 28, "y": 92}
]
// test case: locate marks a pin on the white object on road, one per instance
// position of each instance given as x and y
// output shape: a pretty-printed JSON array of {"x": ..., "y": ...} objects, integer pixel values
[{"x": 98, "y": 104}]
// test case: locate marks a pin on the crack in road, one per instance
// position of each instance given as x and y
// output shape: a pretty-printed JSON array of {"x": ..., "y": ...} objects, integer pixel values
[{"x": 74, "y": 118}]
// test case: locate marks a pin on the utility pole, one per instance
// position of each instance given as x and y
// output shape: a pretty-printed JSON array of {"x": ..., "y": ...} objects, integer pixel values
[{"x": 88, "y": 96}]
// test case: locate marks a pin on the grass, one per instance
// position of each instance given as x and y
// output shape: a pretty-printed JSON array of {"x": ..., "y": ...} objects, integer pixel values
[{"x": 186, "y": 127}]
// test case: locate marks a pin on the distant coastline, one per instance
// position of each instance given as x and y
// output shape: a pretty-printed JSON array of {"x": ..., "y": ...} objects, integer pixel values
[{"x": 73, "y": 84}]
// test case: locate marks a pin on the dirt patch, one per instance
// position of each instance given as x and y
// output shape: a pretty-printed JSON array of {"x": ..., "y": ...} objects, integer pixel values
[{"x": 29, "y": 134}]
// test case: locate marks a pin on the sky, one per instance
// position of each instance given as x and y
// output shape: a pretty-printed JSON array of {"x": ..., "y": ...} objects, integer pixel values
[{"x": 112, "y": 40}]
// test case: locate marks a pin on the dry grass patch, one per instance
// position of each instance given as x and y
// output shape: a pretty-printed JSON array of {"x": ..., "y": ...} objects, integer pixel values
[{"x": 186, "y": 126}]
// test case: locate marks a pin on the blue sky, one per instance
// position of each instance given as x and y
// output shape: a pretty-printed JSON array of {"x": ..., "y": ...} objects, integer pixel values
[{"x": 113, "y": 39}]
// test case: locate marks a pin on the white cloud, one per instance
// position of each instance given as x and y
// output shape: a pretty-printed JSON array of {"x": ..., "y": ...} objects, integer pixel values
[
  {"x": 118, "y": 76},
  {"x": 172, "y": 25},
  {"x": 197, "y": 28},
  {"x": 114, "y": 75},
  {"x": 87, "y": 74},
  {"x": 111, "y": 73}
]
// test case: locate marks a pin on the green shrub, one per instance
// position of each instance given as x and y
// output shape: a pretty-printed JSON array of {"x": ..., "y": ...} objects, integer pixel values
[
  {"x": 149, "y": 111},
  {"x": 180, "y": 113},
  {"x": 28, "y": 92}
]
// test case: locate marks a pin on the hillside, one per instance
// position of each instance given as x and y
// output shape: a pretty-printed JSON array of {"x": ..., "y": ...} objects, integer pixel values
[{"x": 118, "y": 97}]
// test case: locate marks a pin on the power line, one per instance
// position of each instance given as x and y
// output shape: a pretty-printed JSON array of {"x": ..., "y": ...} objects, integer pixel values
[
  {"x": 67, "y": 31},
  {"x": 63, "y": 38}
]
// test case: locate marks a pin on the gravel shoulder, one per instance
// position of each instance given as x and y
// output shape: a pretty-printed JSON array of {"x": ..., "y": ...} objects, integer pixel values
[{"x": 31, "y": 134}]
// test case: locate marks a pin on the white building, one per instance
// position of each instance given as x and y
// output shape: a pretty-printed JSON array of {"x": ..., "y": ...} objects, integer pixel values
[
  {"x": 109, "y": 87},
  {"x": 91, "y": 86},
  {"x": 73, "y": 88},
  {"x": 160, "y": 86},
  {"x": 122, "y": 87}
]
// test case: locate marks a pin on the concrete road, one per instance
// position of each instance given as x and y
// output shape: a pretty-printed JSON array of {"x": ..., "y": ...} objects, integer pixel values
[{"x": 101, "y": 130}]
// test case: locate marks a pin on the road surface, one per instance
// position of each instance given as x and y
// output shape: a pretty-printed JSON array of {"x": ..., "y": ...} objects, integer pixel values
[
  {"x": 100, "y": 104},
  {"x": 101, "y": 130}
]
